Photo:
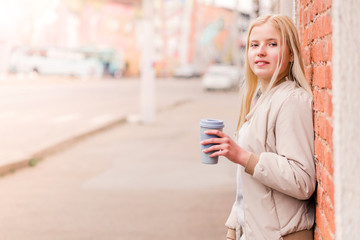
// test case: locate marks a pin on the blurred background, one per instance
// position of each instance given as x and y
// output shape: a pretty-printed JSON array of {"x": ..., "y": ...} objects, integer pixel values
[
  {"x": 110, "y": 34},
  {"x": 100, "y": 104},
  {"x": 99, "y": 116}
]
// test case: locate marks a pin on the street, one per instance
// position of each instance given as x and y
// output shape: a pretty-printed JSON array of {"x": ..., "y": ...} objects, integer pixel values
[
  {"x": 131, "y": 181},
  {"x": 45, "y": 113}
]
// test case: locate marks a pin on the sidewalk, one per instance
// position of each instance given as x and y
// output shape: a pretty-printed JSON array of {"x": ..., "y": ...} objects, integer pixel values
[
  {"x": 36, "y": 139},
  {"x": 132, "y": 181},
  {"x": 50, "y": 146}
]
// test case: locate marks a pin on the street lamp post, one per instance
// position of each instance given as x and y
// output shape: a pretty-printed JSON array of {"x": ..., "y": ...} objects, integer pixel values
[
  {"x": 235, "y": 36},
  {"x": 147, "y": 77}
]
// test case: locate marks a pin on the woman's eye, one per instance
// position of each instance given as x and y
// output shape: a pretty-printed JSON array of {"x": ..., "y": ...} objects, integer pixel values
[
  {"x": 273, "y": 44},
  {"x": 254, "y": 45}
]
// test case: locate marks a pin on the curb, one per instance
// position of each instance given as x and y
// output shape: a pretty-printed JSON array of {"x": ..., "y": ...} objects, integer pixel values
[{"x": 67, "y": 143}]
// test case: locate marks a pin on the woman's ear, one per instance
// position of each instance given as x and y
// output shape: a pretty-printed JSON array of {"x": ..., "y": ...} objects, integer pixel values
[{"x": 291, "y": 57}]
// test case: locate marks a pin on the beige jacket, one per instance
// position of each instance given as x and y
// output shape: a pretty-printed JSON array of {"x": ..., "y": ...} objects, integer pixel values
[{"x": 279, "y": 178}]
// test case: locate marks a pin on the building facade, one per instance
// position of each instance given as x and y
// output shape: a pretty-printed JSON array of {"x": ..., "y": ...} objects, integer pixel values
[{"x": 331, "y": 53}]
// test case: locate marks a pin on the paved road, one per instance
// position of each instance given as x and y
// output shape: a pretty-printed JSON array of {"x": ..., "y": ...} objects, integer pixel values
[
  {"x": 129, "y": 182},
  {"x": 37, "y": 114}
]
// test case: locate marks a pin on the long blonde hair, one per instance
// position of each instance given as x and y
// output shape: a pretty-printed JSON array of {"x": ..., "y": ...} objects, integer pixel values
[{"x": 294, "y": 72}]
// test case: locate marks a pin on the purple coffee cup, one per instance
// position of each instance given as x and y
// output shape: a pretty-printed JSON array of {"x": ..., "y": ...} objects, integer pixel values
[{"x": 209, "y": 124}]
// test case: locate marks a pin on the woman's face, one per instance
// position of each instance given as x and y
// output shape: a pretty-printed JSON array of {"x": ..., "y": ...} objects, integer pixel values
[{"x": 265, "y": 51}]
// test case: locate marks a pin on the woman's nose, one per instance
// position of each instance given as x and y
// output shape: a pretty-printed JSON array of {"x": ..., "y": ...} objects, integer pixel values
[{"x": 261, "y": 50}]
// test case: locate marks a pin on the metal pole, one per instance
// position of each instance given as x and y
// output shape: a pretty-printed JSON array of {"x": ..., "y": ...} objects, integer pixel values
[
  {"x": 235, "y": 36},
  {"x": 198, "y": 58},
  {"x": 257, "y": 7},
  {"x": 185, "y": 32},
  {"x": 147, "y": 77}
]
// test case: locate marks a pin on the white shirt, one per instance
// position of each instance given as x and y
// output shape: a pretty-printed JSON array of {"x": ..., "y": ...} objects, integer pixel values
[{"x": 239, "y": 195}]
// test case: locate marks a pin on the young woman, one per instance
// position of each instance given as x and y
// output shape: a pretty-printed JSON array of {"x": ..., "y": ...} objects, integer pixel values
[{"x": 276, "y": 173}]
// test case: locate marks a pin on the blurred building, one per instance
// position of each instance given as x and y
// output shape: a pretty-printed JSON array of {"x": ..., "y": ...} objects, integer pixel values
[
  {"x": 186, "y": 31},
  {"x": 169, "y": 20}
]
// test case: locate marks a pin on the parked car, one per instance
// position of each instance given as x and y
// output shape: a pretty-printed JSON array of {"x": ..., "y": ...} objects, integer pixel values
[
  {"x": 54, "y": 61},
  {"x": 222, "y": 77},
  {"x": 187, "y": 71},
  {"x": 112, "y": 60}
]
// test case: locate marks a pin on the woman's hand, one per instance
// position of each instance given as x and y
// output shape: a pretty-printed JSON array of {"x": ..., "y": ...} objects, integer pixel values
[{"x": 226, "y": 147}]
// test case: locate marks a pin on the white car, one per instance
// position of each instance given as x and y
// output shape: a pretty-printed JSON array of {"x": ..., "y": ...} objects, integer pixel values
[
  {"x": 222, "y": 77},
  {"x": 54, "y": 61},
  {"x": 187, "y": 71}
]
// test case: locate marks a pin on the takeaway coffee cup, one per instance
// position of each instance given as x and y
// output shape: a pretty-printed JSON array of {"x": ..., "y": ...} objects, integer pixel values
[{"x": 207, "y": 124}]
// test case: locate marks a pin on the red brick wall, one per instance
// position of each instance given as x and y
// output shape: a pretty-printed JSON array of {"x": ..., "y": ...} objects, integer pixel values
[{"x": 316, "y": 37}]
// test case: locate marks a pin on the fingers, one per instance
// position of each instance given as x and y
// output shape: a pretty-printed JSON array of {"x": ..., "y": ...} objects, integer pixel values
[
  {"x": 218, "y": 150},
  {"x": 215, "y": 132},
  {"x": 214, "y": 148},
  {"x": 212, "y": 141},
  {"x": 221, "y": 144},
  {"x": 219, "y": 153},
  {"x": 221, "y": 139}
]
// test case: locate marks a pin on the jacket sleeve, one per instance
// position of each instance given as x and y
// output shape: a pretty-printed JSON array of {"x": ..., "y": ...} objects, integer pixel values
[
  {"x": 232, "y": 222},
  {"x": 291, "y": 170}
]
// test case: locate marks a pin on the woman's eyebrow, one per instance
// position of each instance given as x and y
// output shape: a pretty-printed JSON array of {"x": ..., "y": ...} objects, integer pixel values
[{"x": 266, "y": 40}]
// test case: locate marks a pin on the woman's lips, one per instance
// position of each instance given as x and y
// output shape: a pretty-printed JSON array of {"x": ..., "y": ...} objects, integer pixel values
[{"x": 261, "y": 63}]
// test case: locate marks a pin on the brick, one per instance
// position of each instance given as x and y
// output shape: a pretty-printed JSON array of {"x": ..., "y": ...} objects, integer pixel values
[
  {"x": 325, "y": 181},
  {"x": 318, "y": 118},
  {"x": 308, "y": 15},
  {"x": 308, "y": 73},
  {"x": 323, "y": 225},
  {"x": 321, "y": 51},
  {"x": 319, "y": 171},
  {"x": 324, "y": 154},
  {"x": 329, "y": 133},
  {"x": 317, "y": 235},
  {"x": 328, "y": 77},
  {"x": 308, "y": 35},
  {"x": 329, "y": 213},
  {"x": 315, "y": 7},
  {"x": 327, "y": 49},
  {"x": 329, "y": 160},
  {"x": 326, "y": 207},
  {"x": 318, "y": 148},
  {"x": 325, "y": 129},
  {"x": 301, "y": 17},
  {"x": 306, "y": 56},
  {"x": 316, "y": 52},
  {"x": 322, "y": 6},
  {"x": 328, "y": 3},
  {"x": 322, "y": 76},
  {"x": 304, "y": 3},
  {"x": 328, "y": 185},
  {"x": 323, "y": 101},
  {"x": 319, "y": 76},
  {"x": 318, "y": 26},
  {"x": 316, "y": 121},
  {"x": 323, "y": 25},
  {"x": 318, "y": 102}
]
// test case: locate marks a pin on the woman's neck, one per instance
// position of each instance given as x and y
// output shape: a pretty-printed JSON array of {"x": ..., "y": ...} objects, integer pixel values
[{"x": 265, "y": 83}]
